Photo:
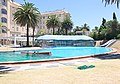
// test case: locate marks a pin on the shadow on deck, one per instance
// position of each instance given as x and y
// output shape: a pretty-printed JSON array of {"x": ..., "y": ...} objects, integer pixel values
[
  {"x": 111, "y": 56},
  {"x": 5, "y": 69}
]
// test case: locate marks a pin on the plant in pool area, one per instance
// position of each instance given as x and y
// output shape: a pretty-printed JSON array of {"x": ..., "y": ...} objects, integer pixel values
[
  {"x": 85, "y": 67},
  {"x": 53, "y": 22},
  {"x": 27, "y": 15},
  {"x": 67, "y": 25}
]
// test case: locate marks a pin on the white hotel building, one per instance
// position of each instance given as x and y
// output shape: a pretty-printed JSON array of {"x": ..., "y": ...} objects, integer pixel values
[
  {"x": 61, "y": 14},
  {"x": 11, "y": 33}
]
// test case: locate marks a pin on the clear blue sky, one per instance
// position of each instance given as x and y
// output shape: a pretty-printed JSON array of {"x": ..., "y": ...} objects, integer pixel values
[{"x": 82, "y": 11}]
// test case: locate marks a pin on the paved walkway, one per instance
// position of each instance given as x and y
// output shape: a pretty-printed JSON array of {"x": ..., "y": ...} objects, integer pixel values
[{"x": 21, "y": 67}]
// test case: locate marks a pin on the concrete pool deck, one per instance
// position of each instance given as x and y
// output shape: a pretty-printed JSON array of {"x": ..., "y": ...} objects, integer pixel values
[
  {"x": 105, "y": 72},
  {"x": 4, "y": 49}
]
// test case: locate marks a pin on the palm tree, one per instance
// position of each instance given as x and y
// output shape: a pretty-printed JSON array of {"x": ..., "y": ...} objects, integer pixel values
[
  {"x": 85, "y": 27},
  {"x": 103, "y": 22},
  {"x": 77, "y": 28},
  {"x": 33, "y": 36},
  {"x": 35, "y": 24},
  {"x": 27, "y": 15},
  {"x": 114, "y": 16},
  {"x": 67, "y": 25},
  {"x": 111, "y": 2},
  {"x": 52, "y": 22}
]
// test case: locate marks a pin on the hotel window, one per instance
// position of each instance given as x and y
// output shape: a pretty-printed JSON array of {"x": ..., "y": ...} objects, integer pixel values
[
  {"x": 3, "y": 0},
  {"x": 12, "y": 34},
  {"x": 4, "y": 20},
  {"x": 12, "y": 0},
  {"x": 4, "y": 3},
  {"x": 4, "y": 11},
  {"x": 4, "y": 29},
  {"x": 13, "y": 8},
  {"x": 43, "y": 17}
]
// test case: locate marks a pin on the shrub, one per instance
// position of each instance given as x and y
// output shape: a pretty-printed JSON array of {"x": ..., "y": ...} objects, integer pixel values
[{"x": 118, "y": 36}]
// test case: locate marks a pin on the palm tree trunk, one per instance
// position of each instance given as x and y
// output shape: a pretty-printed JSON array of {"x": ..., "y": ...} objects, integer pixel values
[
  {"x": 33, "y": 35},
  {"x": 66, "y": 31},
  {"x": 53, "y": 30},
  {"x": 59, "y": 31},
  {"x": 27, "y": 36}
]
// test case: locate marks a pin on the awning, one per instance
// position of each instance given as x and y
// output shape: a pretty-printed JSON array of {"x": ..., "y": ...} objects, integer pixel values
[{"x": 64, "y": 37}]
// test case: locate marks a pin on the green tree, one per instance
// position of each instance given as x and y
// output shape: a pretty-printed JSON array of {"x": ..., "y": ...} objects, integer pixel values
[
  {"x": 103, "y": 22},
  {"x": 27, "y": 15},
  {"x": 96, "y": 29},
  {"x": 67, "y": 25},
  {"x": 112, "y": 29},
  {"x": 53, "y": 22},
  {"x": 77, "y": 28},
  {"x": 102, "y": 35},
  {"x": 107, "y": 30},
  {"x": 114, "y": 16},
  {"x": 107, "y": 2},
  {"x": 86, "y": 27},
  {"x": 94, "y": 33},
  {"x": 35, "y": 24},
  {"x": 33, "y": 35},
  {"x": 118, "y": 36},
  {"x": 118, "y": 28}
]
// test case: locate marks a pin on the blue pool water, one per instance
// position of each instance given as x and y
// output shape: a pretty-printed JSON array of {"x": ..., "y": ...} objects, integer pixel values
[{"x": 57, "y": 52}]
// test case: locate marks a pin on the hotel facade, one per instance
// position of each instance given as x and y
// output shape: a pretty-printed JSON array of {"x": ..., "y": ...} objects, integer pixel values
[
  {"x": 60, "y": 14},
  {"x": 11, "y": 33}
]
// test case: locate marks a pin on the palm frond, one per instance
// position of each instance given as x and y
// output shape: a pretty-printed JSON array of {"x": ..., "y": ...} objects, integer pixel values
[{"x": 107, "y": 2}]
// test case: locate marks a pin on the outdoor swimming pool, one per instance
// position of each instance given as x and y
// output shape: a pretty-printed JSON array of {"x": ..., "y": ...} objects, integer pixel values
[{"x": 56, "y": 53}]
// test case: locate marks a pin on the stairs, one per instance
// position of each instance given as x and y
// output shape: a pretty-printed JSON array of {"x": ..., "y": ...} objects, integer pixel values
[{"x": 108, "y": 43}]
